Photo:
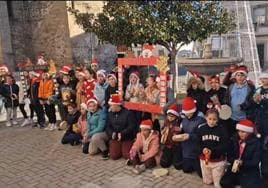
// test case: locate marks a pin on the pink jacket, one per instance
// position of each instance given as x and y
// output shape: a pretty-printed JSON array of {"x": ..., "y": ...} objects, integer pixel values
[
  {"x": 149, "y": 147},
  {"x": 82, "y": 125}
]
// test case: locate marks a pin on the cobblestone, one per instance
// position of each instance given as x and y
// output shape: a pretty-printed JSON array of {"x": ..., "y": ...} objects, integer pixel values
[{"x": 36, "y": 158}]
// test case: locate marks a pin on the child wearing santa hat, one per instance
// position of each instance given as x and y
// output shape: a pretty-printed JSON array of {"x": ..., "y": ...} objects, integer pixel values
[
  {"x": 244, "y": 156},
  {"x": 94, "y": 65},
  {"x": 89, "y": 83},
  {"x": 120, "y": 128},
  {"x": 239, "y": 97},
  {"x": 172, "y": 151},
  {"x": 134, "y": 88},
  {"x": 145, "y": 148},
  {"x": 213, "y": 139},
  {"x": 193, "y": 118},
  {"x": 34, "y": 90},
  {"x": 80, "y": 93}
]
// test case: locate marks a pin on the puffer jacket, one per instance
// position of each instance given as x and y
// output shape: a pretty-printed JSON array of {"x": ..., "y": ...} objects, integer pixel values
[
  {"x": 149, "y": 147},
  {"x": 96, "y": 122},
  {"x": 46, "y": 89},
  {"x": 7, "y": 91}
]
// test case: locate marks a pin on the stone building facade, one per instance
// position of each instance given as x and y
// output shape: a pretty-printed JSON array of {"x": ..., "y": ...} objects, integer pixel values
[{"x": 30, "y": 27}]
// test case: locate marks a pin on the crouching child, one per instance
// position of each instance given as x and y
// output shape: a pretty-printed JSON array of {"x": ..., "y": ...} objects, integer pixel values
[
  {"x": 72, "y": 135},
  {"x": 213, "y": 141},
  {"x": 172, "y": 151},
  {"x": 145, "y": 149},
  {"x": 244, "y": 156}
]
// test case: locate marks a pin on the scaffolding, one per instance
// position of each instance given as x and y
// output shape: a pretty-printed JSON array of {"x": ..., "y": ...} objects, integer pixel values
[{"x": 242, "y": 41}]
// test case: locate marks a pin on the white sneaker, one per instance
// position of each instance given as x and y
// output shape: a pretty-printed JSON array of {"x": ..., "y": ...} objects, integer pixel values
[
  {"x": 25, "y": 122},
  {"x": 31, "y": 121},
  {"x": 55, "y": 126},
  {"x": 52, "y": 126},
  {"x": 14, "y": 122},
  {"x": 8, "y": 124},
  {"x": 48, "y": 127}
]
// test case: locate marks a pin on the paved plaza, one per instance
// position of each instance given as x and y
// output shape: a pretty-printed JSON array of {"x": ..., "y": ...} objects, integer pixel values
[{"x": 31, "y": 157}]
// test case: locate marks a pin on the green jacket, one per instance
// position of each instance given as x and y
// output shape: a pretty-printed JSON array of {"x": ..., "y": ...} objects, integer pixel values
[{"x": 96, "y": 122}]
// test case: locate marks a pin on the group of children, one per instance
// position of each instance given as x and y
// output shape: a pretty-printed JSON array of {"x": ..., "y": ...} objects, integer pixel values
[{"x": 193, "y": 137}]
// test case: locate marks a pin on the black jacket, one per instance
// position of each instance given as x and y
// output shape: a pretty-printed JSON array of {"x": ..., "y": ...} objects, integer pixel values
[
  {"x": 201, "y": 98},
  {"x": 7, "y": 91},
  {"x": 251, "y": 156},
  {"x": 213, "y": 138},
  {"x": 220, "y": 94},
  {"x": 108, "y": 92},
  {"x": 121, "y": 122},
  {"x": 72, "y": 119}
]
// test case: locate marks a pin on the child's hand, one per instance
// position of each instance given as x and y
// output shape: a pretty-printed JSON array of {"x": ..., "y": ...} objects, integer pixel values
[
  {"x": 114, "y": 135},
  {"x": 186, "y": 136},
  {"x": 119, "y": 136},
  {"x": 132, "y": 154},
  {"x": 206, "y": 151}
]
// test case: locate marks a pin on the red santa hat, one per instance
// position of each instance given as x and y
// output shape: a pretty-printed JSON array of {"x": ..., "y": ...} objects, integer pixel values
[
  {"x": 174, "y": 109},
  {"x": 148, "y": 47},
  {"x": 81, "y": 72},
  {"x": 146, "y": 124},
  {"x": 136, "y": 74},
  {"x": 112, "y": 75},
  {"x": 188, "y": 105},
  {"x": 65, "y": 69},
  {"x": 241, "y": 69},
  {"x": 94, "y": 61},
  {"x": 92, "y": 99},
  {"x": 101, "y": 72},
  {"x": 246, "y": 126},
  {"x": 210, "y": 105},
  {"x": 115, "y": 99}
]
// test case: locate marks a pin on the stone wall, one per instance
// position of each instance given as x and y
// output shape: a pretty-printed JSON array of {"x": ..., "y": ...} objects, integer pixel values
[
  {"x": 50, "y": 32},
  {"x": 6, "y": 53},
  {"x": 39, "y": 26}
]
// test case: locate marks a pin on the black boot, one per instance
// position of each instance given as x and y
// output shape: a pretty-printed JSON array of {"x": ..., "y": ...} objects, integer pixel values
[
  {"x": 85, "y": 148},
  {"x": 105, "y": 155}
]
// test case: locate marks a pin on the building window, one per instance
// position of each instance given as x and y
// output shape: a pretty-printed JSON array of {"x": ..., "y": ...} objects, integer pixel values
[{"x": 259, "y": 15}]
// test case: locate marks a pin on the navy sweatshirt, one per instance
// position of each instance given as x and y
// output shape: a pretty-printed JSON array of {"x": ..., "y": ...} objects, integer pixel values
[{"x": 213, "y": 138}]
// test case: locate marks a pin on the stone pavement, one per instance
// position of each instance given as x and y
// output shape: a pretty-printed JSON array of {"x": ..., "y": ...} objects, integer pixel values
[{"x": 31, "y": 157}]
